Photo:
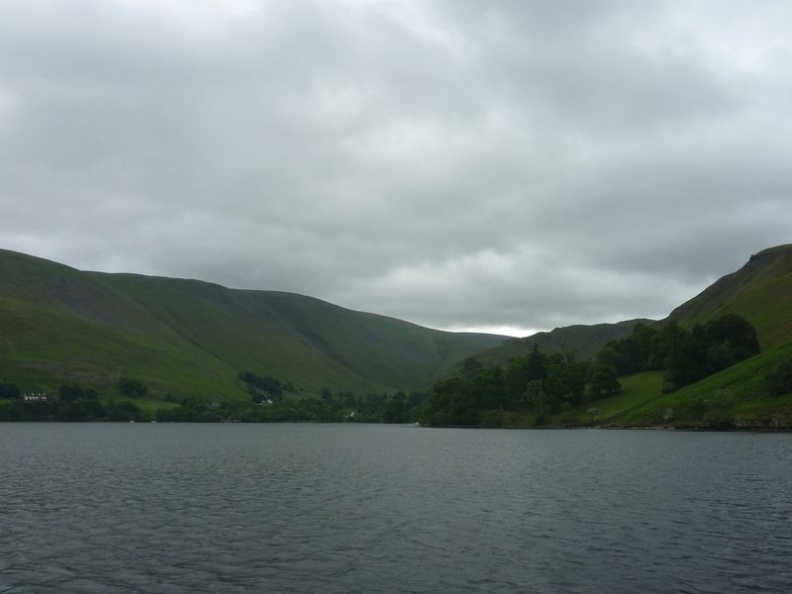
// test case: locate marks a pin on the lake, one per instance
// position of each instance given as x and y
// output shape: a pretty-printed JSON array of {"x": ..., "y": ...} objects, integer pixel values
[{"x": 177, "y": 508}]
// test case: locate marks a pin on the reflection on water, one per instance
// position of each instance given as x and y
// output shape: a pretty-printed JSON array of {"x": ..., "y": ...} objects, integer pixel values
[{"x": 356, "y": 508}]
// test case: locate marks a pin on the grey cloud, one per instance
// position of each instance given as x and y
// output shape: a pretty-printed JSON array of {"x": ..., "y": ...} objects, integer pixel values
[{"x": 457, "y": 164}]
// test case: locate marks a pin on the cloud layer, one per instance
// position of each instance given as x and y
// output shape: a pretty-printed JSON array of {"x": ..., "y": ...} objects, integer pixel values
[{"x": 459, "y": 164}]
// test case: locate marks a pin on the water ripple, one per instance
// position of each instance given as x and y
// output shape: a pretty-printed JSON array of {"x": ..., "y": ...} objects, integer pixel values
[{"x": 377, "y": 509}]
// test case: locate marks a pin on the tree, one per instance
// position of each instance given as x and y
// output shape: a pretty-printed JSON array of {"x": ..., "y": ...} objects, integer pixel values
[
  {"x": 619, "y": 354},
  {"x": 737, "y": 332},
  {"x": 470, "y": 366},
  {"x": 719, "y": 356},
  {"x": 74, "y": 392},
  {"x": 10, "y": 391},
  {"x": 132, "y": 388},
  {"x": 515, "y": 381},
  {"x": 451, "y": 402},
  {"x": 262, "y": 388},
  {"x": 704, "y": 350},
  {"x": 604, "y": 381},
  {"x": 576, "y": 372},
  {"x": 536, "y": 365},
  {"x": 396, "y": 410},
  {"x": 520, "y": 374},
  {"x": 779, "y": 381},
  {"x": 686, "y": 362},
  {"x": 647, "y": 345},
  {"x": 487, "y": 388}
]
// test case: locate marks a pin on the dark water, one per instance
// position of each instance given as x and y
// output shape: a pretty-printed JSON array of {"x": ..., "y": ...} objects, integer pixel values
[{"x": 355, "y": 508}]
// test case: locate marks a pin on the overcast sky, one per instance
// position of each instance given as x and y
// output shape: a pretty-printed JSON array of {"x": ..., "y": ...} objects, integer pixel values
[{"x": 509, "y": 165}]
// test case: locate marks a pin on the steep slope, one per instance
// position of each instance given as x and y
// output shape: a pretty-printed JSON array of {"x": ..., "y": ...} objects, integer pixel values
[
  {"x": 760, "y": 291},
  {"x": 738, "y": 396},
  {"x": 187, "y": 337}
]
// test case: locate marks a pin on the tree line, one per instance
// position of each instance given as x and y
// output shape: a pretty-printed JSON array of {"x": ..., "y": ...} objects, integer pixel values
[
  {"x": 328, "y": 407},
  {"x": 537, "y": 383},
  {"x": 540, "y": 385},
  {"x": 267, "y": 403},
  {"x": 72, "y": 402}
]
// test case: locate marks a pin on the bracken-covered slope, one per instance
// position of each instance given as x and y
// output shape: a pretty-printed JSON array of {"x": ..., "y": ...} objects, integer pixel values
[
  {"x": 760, "y": 291},
  {"x": 187, "y": 337}
]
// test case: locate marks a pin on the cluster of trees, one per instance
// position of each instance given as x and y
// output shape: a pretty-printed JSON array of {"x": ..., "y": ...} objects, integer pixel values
[
  {"x": 779, "y": 380},
  {"x": 542, "y": 385},
  {"x": 343, "y": 405},
  {"x": 535, "y": 383},
  {"x": 686, "y": 356},
  {"x": 375, "y": 408},
  {"x": 10, "y": 391},
  {"x": 73, "y": 402},
  {"x": 131, "y": 387},
  {"x": 329, "y": 407},
  {"x": 262, "y": 388}
]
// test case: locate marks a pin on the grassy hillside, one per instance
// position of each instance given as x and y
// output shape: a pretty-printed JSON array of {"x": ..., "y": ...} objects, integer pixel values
[
  {"x": 733, "y": 398},
  {"x": 760, "y": 291},
  {"x": 186, "y": 337}
]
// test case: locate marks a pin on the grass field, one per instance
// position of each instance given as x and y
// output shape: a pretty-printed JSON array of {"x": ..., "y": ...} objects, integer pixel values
[{"x": 637, "y": 390}]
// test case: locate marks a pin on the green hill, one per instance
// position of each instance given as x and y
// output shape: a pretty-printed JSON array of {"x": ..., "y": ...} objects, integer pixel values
[
  {"x": 584, "y": 341},
  {"x": 191, "y": 338},
  {"x": 544, "y": 388},
  {"x": 760, "y": 291},
  {"x": 736, "y": 397}
]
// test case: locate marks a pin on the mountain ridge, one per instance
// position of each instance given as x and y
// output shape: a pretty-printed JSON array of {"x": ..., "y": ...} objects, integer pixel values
[{"x": 175, "y": 328}]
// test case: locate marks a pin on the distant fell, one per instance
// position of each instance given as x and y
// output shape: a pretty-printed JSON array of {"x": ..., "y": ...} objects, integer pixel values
[
  {"x": 191, "y": 338},
  {"x": 581, "y": 340}
]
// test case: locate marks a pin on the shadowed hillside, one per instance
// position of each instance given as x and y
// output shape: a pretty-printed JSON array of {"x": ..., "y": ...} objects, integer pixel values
[
  {"x": 754, "y": 393},
  {"x": 581, "y": 340},
  {"x": 187, "y": 337},
  {"x": 760, "y": 291}
]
